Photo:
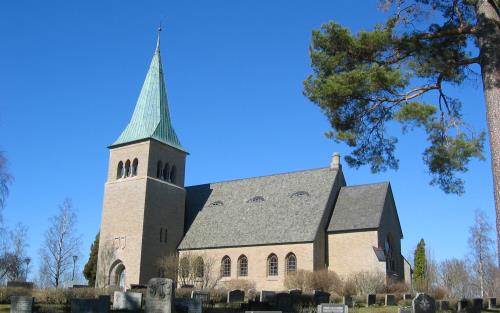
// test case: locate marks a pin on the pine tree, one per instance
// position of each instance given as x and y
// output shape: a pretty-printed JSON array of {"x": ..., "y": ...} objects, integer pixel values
[
  {"x": 419, "y": 264},
  {"x": 90, "y": 269}
]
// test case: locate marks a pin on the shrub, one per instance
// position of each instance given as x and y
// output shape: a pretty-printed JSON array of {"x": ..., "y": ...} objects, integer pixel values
[
  {"x": 439, "y": 293},
  {"x": 241, "y": 284},
  {"x": 297, "y": 280},
  {"x": 324, "y": 280},
  {"x": 397, "y": 287},
  {"x": 7, "y": 292},
  {"x": 368, "y": 282}
]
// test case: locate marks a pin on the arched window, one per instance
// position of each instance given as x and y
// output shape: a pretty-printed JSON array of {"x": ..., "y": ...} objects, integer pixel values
[
  {"x": 173, "y": 174},
  {"x": 291, "y": 263},
  {"x": 127, "y": 168},
  {"x": 184, "y": 267},
  {"x": 135, "y": 164},
  {"x": 242, "y": 266},
  {"x": 165, "y": 172},
  {"x": 119, "y": 170},
  {"x": 389, "y": 260},
  {"x": 159, "y": 169},
  {"x": 272, "y": 265},
  {"x": 225, "y": 267},
  {"x": 199, "y": 267}
]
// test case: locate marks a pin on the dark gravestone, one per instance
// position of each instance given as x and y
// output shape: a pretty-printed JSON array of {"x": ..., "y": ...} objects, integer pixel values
[
  {"x": 295, "y": 292},
  {"x": 407, "y": 296},
  {"x": 284, "y": 301},
  {"x": 184, "y": 305},
  {"x": 160, "y": 295},
  {"x": 405, "y": 309},
  {"x": 137, "y": 287},
  {"x": 266, "y": 311},
  {"x": 235, "y": 296},
  {"x": 100, "y": 305},
  {"x": 492, "y": 303},
  {"x": 463, "y": 305},
  {"x": 321, "y": 297},
  {"x": 371, "y": 299},
  {"x": 203, "y": 296},
  {"x": 477, "y": 305},
  {"x": 332, "y": 308},
  {"x": 104, "y": 304},
  {"x": 347, "y": 300},
  {"x": 423, "y": 303},
  {"x": 390, "y": 300},
  {"x": 20, "y": 284},
  {"x": 127, "y": 300},
  {"x": 80, "y": 286},
  {"x": 443, "y": 305},
  {"x": 251, "y": 294},
  {"x": 21, "y": 304},
  {"x": 267, "y": 296}
]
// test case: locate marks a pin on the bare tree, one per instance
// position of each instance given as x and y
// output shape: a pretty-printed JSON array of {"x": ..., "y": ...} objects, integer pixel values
[
  {"x": 5, "y": 180},
  {"x": 193, "y": 269},
  {"x": 13, "y": 254},
  {"x": 480, "y": 244},
  {"x": 60, "y": 245},
  {"x": 454, "y": 275}
]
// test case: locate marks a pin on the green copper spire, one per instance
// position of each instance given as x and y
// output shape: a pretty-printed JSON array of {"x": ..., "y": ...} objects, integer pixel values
[{"x": 151, "y": 118}]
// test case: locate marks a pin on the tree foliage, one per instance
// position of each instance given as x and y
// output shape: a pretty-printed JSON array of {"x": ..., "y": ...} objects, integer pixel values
[
  {"x": 90, "y": 269},
  {"x": 420, "y": 264}
]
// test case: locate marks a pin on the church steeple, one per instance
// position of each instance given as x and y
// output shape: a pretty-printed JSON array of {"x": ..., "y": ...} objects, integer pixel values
[{"x": 151, "y": 117}]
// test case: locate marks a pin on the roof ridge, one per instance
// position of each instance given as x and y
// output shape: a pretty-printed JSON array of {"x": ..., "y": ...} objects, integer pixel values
[{"x": 262, "y": 176}]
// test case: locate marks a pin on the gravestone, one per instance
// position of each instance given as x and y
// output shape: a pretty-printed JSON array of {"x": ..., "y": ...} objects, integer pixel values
[
  {"x": 104, "y": 304},
  {"x": 443, "y": 305},
  {"x": 295, "y": 292},
  {"x": 188, "y": 305},
  {"x": 100, "y": 305},
  {"x": 405, "y": 309},
  {"x": 160, "y": 295},
  {"x": 407, "y": 296},
  {"x": 371, "y": 299},
  {"x": 251, "y": 294},
  {"x": 477, "y": 305},
  {"x": 127, "y": 300},
  {"x": 347, "y": 300},
  {"x": 235, "y": 296},
  {"x": 203, "y": 296},
  {"x": 21, "y": 304},
  {"x": 492, "y": 303},
  {"x": 267, "y": 296},
  {"x": 284, "y": 301},
  {"x": 75, "y": 286},
  {"x": 332, "y": 308},
  {"x": 423, "y": 303},
  {"x": 321, "y": 297},
  {"x": 390, "y": 299},
  {"x": 20, "y": 284},
  {"x": 462, "y": 305}
]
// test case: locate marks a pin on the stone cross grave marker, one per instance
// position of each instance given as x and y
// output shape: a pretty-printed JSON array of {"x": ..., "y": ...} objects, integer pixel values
[
  {"x": 130, "y": 301},
  {"x": 371, "y": 299},
  {"x": 321, "y": 297},
  {"x": 332, "y": 308},
  {"x": 21, "y": 304},
  {"x": 160, "y": 295},
  {"x": 235, "y": 296},
  {"x": 423, "y": 303}
]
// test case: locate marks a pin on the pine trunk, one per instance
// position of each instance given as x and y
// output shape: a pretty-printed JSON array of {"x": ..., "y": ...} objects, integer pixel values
[{"x": 488, "y": 22}]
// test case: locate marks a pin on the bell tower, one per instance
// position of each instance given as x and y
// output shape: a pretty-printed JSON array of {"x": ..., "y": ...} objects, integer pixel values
[{"x": 144, "y": 195}]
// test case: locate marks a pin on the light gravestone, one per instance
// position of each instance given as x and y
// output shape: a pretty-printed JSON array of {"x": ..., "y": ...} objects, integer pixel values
[
  {"x": 21, "y": 304},
  {"x": 371, "y": 299},
  {"x": 423, "y": 303},
  {"x": 321, "y": 297},
  {"x": 160, "y": 295},
  {"x": 332, "y": 308},
  {"x": 130, "y": 301},
  {"x": 390, "y": 300},
  {"x": 492, "y": 303},
  {"x": 267, "y": 296},
  {"x": 235, "y": 296}
]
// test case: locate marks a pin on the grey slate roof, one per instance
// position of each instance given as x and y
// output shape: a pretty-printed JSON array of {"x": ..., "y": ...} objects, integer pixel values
[
  {"x": 221, "y": 215},
  {"x": 359, "y": 207}
]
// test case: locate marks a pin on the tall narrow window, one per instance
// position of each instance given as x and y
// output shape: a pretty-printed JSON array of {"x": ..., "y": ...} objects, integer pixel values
[
  {"x": 272, "y": 265},
  {"x": 390, "y": 264},
  {"x": 184, "y": 267},
  {"x": 173, "y": 174},
  {"x": 243, "y": 266},
  {"x": 119, "y": 170},
  {"x": 291, "y": 263},
  {"x": 135, "y": 164},
  {"x": 159, "y": 169},
  {"x": 225, "y": 268},
  {"x": 199, "y": 267},
  {"x": 165, "y": 235},
  {"x": 165, "y": 172},
  {"x": 161, "y": 234},
  {"x": 127, "y": 168}
]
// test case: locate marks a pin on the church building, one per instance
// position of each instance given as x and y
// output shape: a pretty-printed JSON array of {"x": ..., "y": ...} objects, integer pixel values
[{"x": 259, "y": 229}]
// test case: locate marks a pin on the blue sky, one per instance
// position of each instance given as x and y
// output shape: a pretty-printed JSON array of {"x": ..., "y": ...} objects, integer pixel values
[{"x": 70, "y": 73}]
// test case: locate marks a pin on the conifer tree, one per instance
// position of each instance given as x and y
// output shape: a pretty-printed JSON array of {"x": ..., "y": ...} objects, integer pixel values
[
  {"x": 90, "y": 269},
  {"x": 420, "y": 264}
]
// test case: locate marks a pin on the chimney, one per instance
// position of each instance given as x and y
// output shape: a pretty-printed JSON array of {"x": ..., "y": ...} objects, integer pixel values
[{"x": 335, "y": 164}]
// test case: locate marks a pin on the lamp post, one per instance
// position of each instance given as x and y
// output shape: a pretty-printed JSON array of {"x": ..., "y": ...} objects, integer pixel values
[
  {"x": 75, "y": 257},
  {"x": 27, "y": 261}
]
